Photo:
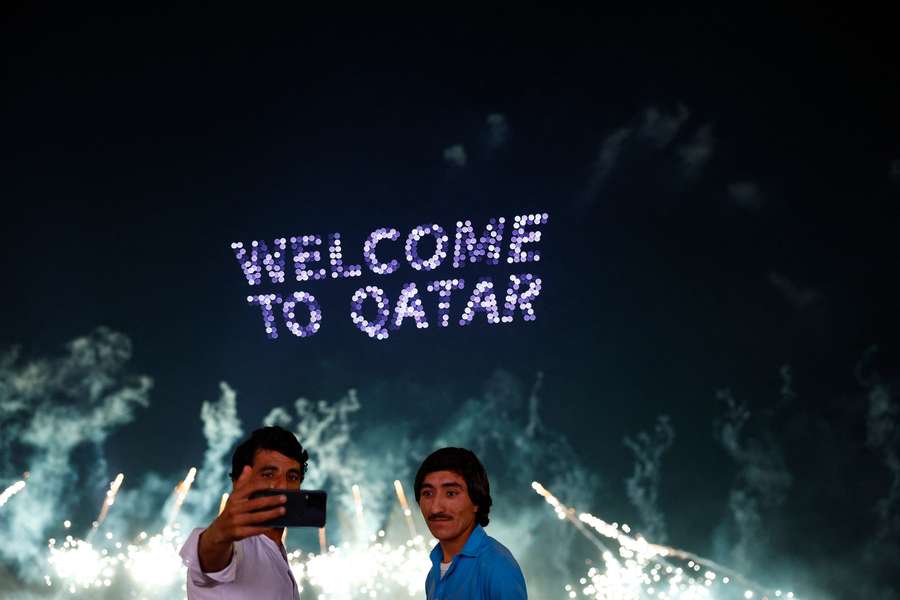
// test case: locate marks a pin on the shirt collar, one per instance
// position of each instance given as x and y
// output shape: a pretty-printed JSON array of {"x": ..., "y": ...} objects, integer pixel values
[
  {"x": 475, "y": 542},
  {"x": 471, "y": 548}
]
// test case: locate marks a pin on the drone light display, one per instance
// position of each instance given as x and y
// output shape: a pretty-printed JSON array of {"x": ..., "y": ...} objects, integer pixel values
[{"x": 371, "y": 310}]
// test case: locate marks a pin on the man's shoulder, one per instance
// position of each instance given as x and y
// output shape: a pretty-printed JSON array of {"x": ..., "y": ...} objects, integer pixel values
[{"x": 498, "y": 556}]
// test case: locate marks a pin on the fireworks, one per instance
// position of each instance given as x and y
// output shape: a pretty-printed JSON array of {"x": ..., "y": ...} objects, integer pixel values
[
  {"x": 357, "y": 503},
  {"x": 640, "y": 569},
  {"x": 181, "y": 491},
  {"x": 151, "y": 562},
  {"x": 375, "y": 569},
  {"x": 370, "y": 569},
  {"x": 110, "y": 499},
  {"x": 407, "y": 513},
  {"x": 630, "y": 567},
  {"x": 11, "y": 491}
]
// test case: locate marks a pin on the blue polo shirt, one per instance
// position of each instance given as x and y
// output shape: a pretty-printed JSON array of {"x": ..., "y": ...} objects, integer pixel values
[{"x": 483, "y": 570}]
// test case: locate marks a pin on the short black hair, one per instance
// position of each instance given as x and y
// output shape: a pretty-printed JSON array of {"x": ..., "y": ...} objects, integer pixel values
[
  {"x": 465, "y": 464},
  {"x": 268, "y": 438}
]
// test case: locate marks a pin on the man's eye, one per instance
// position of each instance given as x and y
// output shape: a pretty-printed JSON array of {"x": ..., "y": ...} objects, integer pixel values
[{"x": 451, "y": 494}]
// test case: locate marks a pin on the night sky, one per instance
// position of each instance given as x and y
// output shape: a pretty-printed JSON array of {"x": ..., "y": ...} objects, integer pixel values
[{"x": 723, "y": 192}]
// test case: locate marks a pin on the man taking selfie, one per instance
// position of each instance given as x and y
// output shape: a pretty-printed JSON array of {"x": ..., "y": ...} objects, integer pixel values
[
  {"x": 236, "y": 556},
  {"x": 454, "y": 494}
]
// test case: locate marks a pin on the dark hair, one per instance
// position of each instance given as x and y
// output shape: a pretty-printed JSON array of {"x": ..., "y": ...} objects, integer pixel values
[
  {"x": 268, "y": 438},
  {"x": 465, "y": 464}
]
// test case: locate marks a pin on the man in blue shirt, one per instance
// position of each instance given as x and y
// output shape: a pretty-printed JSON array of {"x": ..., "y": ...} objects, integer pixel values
[{"x": 454, "y": 494}]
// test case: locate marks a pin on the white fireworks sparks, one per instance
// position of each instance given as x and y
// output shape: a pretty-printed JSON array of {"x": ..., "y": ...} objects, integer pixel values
[
  {"x": 368, "y": 568},
  {"x": 630, "y": 567},
  {"x": 11, "y": 491},
  {"x": 641, "y": 570}
]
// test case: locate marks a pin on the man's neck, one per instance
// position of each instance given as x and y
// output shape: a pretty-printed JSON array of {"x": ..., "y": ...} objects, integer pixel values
[
  {"x": 451, "y": 548},
  {"x": 276, "y": 534}
]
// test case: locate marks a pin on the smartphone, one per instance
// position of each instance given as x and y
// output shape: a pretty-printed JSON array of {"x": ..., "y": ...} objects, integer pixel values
[{"x": 305, "y": 508}]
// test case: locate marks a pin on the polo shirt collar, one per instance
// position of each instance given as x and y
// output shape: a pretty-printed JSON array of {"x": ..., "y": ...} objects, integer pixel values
[
  {"x": 472, "y": 547},
  {"x": 475, "y": 542}
]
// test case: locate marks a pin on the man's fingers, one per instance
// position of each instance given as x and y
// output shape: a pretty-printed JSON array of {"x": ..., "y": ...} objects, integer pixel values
[
  {"x": 259, "y": 503},
  {"x": 242, "y": 481},
  {"x": 249, "y": 488},
  {"x": 246, "y": 488},
  {"x": 255, "y": 518}
]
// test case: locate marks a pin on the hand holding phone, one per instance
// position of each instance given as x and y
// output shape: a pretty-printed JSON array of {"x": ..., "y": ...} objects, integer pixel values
[
  {"x": 241, "y": 518},
  {"x": 303, "y": 508}
]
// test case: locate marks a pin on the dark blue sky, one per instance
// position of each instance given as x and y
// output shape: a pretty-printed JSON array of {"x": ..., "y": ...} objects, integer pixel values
[{"x": 136, "y": 148}]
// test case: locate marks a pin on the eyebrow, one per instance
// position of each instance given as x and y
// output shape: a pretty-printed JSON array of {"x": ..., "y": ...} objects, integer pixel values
[
  {"x": 294, "y": 470},
  {"x": 443, "y": 485}
]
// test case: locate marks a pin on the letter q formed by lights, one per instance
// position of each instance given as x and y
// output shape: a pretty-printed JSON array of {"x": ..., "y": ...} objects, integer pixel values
[{"x": 371, "y": 309}]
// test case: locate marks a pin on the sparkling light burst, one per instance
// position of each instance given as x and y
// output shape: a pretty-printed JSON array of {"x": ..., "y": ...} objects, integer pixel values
[
  {"x": 630, "y": 567},
  {"x": 639, "y": 569}
]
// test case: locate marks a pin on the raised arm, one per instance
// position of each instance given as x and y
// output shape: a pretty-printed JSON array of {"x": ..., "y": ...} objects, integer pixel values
[{"x": 237, "y": 521}]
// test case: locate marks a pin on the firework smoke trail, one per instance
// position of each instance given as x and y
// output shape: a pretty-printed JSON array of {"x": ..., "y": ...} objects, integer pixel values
[
  {"x": 49, "y": 408},
  {"x": 110, "y": 499},
  {"x": 181, "y": 491},
  {"x": 404, "y": 505},
  {"x": 643, "y": 485},
  {"x": 323, "y": 541},
  {"x": 626, "y": 581},
  {"x": 11, "y": 491}
]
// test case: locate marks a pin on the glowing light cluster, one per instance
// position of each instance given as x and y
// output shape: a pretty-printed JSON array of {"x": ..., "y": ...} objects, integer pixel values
[
  {"x": 469, "y": 247},
  {"x": 259, "y": 258},
  {"x": 338, "y": 269},
  {"x": 151, "y": 562},
  {"x": 375, "y": 328},
  {"x": 444, "y": 289},
  {"x": 370, "y": 567},
  {"x": 315, "y": 314},
  {"x": 79, "y": 566},
  {"x": 412, "y": 247},
  {"x": 369, "y": 570},
  {"x": 155, "y": 563},
  {"x": 520, "y": 295},
  {"x": 265, "y": 301},
  {"x": 266, "y": 304},
  {"x": 378, "y": 267},
  {"x": 520, "y": 236},
  {"x": 483, "y": 299},
  {"x": 486, "y": 247},
  {"x": 409, "y": 304},
  {"x": 521, "y": 300},
  {"x": 303, "y": 257}
]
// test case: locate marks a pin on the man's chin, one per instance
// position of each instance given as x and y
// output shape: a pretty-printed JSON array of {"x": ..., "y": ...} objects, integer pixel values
[{"x": 441, "y": 530}]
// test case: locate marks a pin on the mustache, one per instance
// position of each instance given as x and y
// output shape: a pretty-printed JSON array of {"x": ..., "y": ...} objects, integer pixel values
[{"x": 439, "y": 516}]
